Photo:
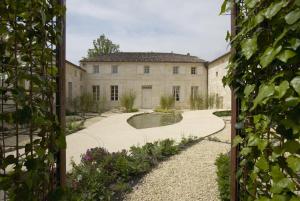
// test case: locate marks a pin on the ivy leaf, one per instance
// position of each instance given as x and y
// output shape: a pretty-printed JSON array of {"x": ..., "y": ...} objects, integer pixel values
[
  {"x": 276, "y": 173},
  {"x": 295, "y": 43},
  {"x": 269, "y": 55},
  {"x": 273, "y": 9},
  {"x": 249, "y": 47},
  {"x": 265, "y": 91},
  {"x": 249, "y": 89},
  {"x": 282, "y": 89},
  {"x": 262, "y": 144},
  {"x": 263, "y": 199},
  {"x": 262, "y": 164},
  {"x": 285, "y": 55},
  {"x": 294, "y": 163},
  {"x": 224, "y": 7},
  {"x": 279, "y": 186},
  {"x": 295, "y": 83},
  {"x": 292, "y": 146},
  {"x": 251, "y": 3},
  {"x": 293, "y": 16},
  {"x": 292, "y": 101},
  {"x": 237, "y": 140},
  {"x": 245, "y": 151}
]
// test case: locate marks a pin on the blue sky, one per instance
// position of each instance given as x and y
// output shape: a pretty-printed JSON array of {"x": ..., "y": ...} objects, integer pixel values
[{"x": 189, "y": 26}]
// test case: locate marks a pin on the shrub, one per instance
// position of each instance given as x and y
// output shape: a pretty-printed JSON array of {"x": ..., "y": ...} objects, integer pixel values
[
  {"x": 167, "y": 102},
  {"x": 74, "y": 126},
  {"x": 197, "y": 102},
  {"x": 211, "y": 100},
  {"x": 224, "y": 113},
  {"x": 108, "y": 176},
  {"x": 223, "y": 176},
  {"x": 127, "y": 101}
]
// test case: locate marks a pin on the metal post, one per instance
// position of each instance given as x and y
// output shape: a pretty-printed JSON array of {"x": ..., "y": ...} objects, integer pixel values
[
  {"x": 60, "y": 96},
  {"x": 234, "y": 115}
]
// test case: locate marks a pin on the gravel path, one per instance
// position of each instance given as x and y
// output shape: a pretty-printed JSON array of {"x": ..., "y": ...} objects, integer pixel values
[{"x": 189, "y": 176}]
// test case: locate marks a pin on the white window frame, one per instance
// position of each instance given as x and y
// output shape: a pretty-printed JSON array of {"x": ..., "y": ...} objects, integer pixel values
[
  {"x": 193, "y": 71},
  {"x": 96, "y": 69},
  {"x": 146, "y": 69},
  {"x": 115, "y": 69},
  {"x": 114, "y": 92},
  {"x": 176, "y": 93},
  {"x": 175, "y": 70},
  {"x": 96, "y": 92}
]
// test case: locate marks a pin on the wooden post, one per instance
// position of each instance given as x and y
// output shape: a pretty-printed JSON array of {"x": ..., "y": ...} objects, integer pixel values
[{"x": 234, "y": 115}]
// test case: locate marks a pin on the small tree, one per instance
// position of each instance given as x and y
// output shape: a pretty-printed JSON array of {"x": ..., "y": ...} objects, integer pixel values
[
  {"x": 127, "y": 101},
  {"x": 102, "y": 45}
]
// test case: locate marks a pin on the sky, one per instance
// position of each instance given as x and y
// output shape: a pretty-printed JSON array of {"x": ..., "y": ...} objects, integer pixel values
[{"x": 179, "y": 26}]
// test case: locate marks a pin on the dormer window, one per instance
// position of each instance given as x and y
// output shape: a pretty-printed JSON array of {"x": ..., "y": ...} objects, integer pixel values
[{"x": 146, "y": 69}]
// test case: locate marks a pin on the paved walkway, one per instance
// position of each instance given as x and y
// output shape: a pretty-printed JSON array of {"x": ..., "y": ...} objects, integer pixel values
[{"x": 114, "y": 133}]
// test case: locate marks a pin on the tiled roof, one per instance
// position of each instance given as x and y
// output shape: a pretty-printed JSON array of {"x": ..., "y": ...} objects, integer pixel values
[{"x": 145, "y": 57}]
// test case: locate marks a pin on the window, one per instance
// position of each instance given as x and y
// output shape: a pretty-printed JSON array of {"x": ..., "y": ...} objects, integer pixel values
[
  {"x": 193, "y": 71},
  {"x": 80, "y": 76},
  {"x": 70, "y": 92},
  {"x": 194, "y": 91},
  {"x": 175, "y": 70},
  {"x": 114, "y": 69},
  {"x": 114, "y": 93},
  {"x": 176, "y": 93},
  {"x": 146, "y": 69},
  {"x": 217, "y": 73},
  {"x": 96, "y": 69},
  {"x": 96, "y": 92}
]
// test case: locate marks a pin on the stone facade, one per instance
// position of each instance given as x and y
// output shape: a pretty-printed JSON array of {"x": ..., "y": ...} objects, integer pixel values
[
  {"x": 216, "y": 71},
  {"x": 75, "y": 82},
  {"x": 149, "y": 76}
]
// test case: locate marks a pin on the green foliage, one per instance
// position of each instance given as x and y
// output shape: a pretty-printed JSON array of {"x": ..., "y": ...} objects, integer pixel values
[
  {"x": 223, "y": 176},
  {"x": 197, "y": 102},
  {"x": 127, "y": 101},
  {"x": 85, "y": 103},
  {"x": 265, "y": 75},
  {"x": 214, "y": 101},
  {"x": 167, "y": 102},
  {"x": 74, "y": 126},
  {"x": 28, "y": 32},
  {"x": 224, "y": 113},
  {"x": 102, "y": 45},
  {"x": 108, "y": 176}
]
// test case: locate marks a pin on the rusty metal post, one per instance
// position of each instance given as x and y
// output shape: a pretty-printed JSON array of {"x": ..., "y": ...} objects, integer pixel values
[
  {"x": 61, "y": 95},
  {"x": 234, "y": 115}
]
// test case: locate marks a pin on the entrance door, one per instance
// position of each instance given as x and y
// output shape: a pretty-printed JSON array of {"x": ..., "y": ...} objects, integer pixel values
[{"x": 147, "y": 97}]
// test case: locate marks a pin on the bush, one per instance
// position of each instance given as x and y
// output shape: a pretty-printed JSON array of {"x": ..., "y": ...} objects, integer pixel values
[
  {"x": 224, "y": 113},
  {"x": 74, "y": 126},
  {"x": 108, "y": 176},
  {"x": 167, "y": 102},
  {"x": 223, "y": 176},
  {"x": 197, "y": 102},
  {"x": 127, "y": 101}
]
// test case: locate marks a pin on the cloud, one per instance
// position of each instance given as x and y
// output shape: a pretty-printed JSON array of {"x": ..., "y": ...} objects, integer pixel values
[{"x": 192, "y": 26}]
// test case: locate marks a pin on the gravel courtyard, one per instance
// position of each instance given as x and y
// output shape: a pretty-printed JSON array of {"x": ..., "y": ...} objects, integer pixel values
[{"x": 189, "y": 176}]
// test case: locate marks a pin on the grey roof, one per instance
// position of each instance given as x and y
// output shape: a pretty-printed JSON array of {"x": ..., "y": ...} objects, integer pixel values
[{"x": 145, "y": 57}]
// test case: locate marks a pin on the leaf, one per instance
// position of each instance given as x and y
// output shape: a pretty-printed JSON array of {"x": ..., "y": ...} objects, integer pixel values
[
  {"x": 251, "y": 3},
  {"x": 249, "y": 47},
  {"x": 245, "y": 151},
  {"x": 224, "y": 7},
  {"x": 294, "y": 163},
  {"x": 293, "y": 16},
  {"x": 276, "y": 173},
  {"x": 295, "y": 43},
  {"x": 282, "y": 89},
  {"x": 285, "y": 55},
  {"x": 279, "y": 186},
  {"x": 269, "y": 55},
  {"x": 292, "y": 146},
  {"x": 295, "y": 83},
  {"x": 273, "y": 9},
  {"x": 237, "y": 140},
  {"x": 249, "y": 89},
  {"x": 262, "y": 164},
  {"x": 292, "y": 101},
  {"x": 265, "y": 91},
  {"x": 262, "y": 144}
]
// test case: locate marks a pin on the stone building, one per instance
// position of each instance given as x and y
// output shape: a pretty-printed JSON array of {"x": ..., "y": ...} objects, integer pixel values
[
  {"x": 216, "y": 71},
  {"x": 149, "y": 75}
]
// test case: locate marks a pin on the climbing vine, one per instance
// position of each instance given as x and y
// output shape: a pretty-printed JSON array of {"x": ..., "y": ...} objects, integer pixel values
[
  {"x": 265, "y": 75},
  {"x": 31, "y": 135}
]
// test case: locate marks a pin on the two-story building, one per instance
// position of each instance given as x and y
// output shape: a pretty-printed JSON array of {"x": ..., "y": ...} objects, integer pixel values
[{"x": 148, "y": 75}]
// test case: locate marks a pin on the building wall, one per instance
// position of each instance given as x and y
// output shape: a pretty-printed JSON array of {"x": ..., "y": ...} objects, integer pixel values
[
  {"x": 131, "y": 77},
  {"x": 77, "y": 77},
  {"x": 216, "y": 71}
]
